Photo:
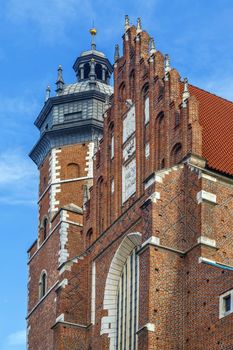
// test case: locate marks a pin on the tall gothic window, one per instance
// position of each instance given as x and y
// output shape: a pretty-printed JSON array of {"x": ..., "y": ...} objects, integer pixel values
[
  {"x": 111, "y": 146},
  {"x": 43, "y": 284},
  {"x": 160, "y": 138},
  {"x": 176, "y": 154},
  {"x": 127, "y": 305},
  {"x": 132, "y": 85},
  {"x": 45, "y": 228},
  {"x": 100, "y": 208},
  {"x": 122, "y": 97}
]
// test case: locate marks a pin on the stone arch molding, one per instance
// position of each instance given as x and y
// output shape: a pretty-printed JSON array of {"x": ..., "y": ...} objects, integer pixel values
[{"x": 108, "y": 323}]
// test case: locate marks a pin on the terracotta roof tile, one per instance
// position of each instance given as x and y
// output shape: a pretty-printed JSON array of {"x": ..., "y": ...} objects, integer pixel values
[{"x": 216, "y": 119}]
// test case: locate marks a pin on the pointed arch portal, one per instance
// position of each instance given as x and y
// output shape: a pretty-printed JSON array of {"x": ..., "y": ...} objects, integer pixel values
[{"x": 114, "y": 283}]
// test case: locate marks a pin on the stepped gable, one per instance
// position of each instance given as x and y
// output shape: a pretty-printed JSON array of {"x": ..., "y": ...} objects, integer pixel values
[{"x": 216, "y": 119}]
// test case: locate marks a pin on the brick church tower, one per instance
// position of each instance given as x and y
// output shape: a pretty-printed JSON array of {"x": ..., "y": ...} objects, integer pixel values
[
  {"x": 70, "y": 125},
  {"x": 135, "y": 240}
]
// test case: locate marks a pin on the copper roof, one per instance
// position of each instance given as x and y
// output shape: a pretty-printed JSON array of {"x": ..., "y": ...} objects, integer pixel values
[{"x": 216, "y": 119}]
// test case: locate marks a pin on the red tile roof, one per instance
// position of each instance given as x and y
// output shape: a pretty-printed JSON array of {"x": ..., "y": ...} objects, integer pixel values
[{"x": 216, "y": 119}]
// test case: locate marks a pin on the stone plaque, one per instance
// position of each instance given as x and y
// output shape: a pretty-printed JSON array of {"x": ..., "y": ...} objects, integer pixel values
[
  {"x": 129, "y": 149},
  {"x": 128, "y": 180},
  {"x": 129, "y": 124}
]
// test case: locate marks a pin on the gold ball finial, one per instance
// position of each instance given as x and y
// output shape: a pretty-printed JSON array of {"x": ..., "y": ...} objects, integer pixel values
[{"x": 93, "y": 31}]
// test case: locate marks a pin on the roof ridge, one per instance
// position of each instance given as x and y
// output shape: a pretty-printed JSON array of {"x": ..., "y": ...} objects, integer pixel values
[{"x": 208, "y": 92}]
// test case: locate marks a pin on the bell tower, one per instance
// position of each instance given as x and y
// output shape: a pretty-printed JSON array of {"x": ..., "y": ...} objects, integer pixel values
[{"x": 70, "y": 123}]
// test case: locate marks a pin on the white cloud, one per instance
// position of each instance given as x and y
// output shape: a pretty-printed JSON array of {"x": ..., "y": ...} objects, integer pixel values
[
  {"x": 51, "y": 17},
  {"x": 14, "y": 201},
  {"x": 219, "y": 85},
  {"x": 18, "y": 104},
  {"x": 17, "y": 338},
  {"x": 15, "y": 167},
  {"x": 18, "y": 179}
]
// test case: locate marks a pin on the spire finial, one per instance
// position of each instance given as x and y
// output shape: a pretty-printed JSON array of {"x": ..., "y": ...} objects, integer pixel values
[
  {"x": 167, "y": 66},
  {"x": 93, "y": 33},
  {"x": 60, "y": 82},
  {"x": 186, "y": 93},
  {"x": 47, "y": 93},
  {"x": 152, "y": 46},
  {"x": 117, "y": 53},
  {"x": 127, "y": 24},
  {"x": 139, "y": 25}
]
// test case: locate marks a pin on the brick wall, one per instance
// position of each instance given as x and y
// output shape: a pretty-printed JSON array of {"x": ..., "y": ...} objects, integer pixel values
[{"x": 181, "y": 209}]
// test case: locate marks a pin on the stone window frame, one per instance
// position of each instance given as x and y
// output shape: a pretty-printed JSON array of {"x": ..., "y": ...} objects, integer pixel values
[
  {"x": 222, "y": 297},
  {"x": 43, "y": 284},
  {"x": 45, "y": 229},
  {"x": 108, "y": 322}
]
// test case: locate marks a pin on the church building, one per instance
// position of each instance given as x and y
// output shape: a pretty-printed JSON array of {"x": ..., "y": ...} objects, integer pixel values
[{"x": 135, "y": 225}]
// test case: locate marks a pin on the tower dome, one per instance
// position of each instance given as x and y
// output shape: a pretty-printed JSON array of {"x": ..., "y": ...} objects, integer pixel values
[
  {"x": 93, "y": 64},
  {"x": 75, "y": 114}
]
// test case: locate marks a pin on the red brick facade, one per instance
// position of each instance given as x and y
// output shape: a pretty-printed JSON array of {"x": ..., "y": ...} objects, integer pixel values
[{"x": 179, "y": 217}]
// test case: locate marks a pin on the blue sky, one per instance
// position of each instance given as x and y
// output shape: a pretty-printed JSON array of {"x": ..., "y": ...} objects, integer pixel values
[{"x": 37, "y": 36}]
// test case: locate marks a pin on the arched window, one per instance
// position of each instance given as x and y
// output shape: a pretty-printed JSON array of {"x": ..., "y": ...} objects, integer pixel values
[
  {"x": 86, "y": 70},
  {"x": 43, "y": 284},
  {"x": 122, "y": 92},
  {"x": 145, "y": 103},
  {"x": 132, "y": 84},
  {"x": 100, "y": 206},
  {"x": 89, "y": 237},
  {"x": 176, "y": 153},
  {"x": 98, "y": 71},
  {"x": 45, "y": 228},
  {"x": 72, "y": 171},
  {"x": 111, "y": 141},
  {"x": 127, "y": 304},
  {"x": 160, "y": 138}
]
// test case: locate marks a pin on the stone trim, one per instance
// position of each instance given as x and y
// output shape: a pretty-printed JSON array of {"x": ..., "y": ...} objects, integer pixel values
[
  {"x": 66, "y": 323},
  {"x": 89, "y": 160},
  {"x": 158, "y": 176},
  {"x": 148, "y": 326},
  {"x": 27, "y": 335},
  {"x": 204, "y": 196},
  {"x": 207, "y": 177},
  {"x": 54, "y": 176},
  {"x": 60, "y": 318},
  {"x": 152, "y": 240},
  {"x": 62, "y": 284},
  {"x": 63, "y": 252},
  {"x": 108, "y": 323},
  {"x": 215, "y": 263},
  {"x": 222, "y": 312},
  {"x": 93, "y": 292},
  {"x": 51, "y": 232},
  {"x": 66, "y": 266},
  {"x": 152, "y": 198},
  {"x": 206, "y": 241}
]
